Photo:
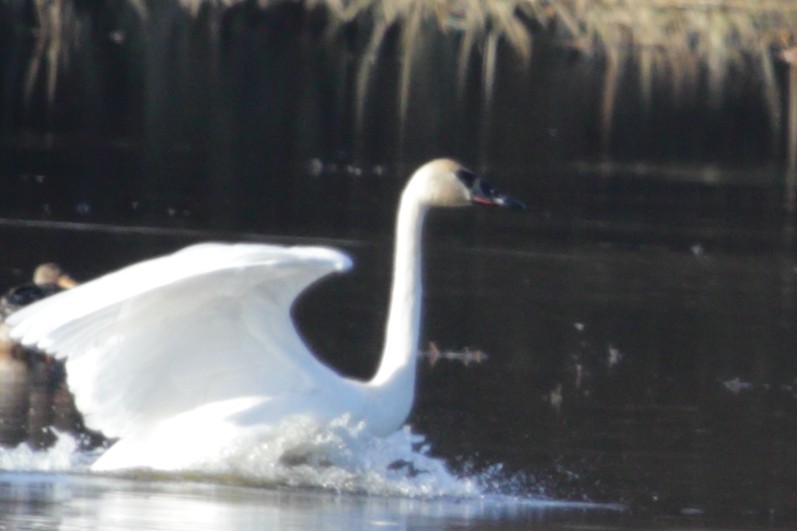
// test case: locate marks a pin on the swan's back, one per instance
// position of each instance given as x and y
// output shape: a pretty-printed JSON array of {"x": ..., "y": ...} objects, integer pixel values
[{"x": 208, "y": 323}]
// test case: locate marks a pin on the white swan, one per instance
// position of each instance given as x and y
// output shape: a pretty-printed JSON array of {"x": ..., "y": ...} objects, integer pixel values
[{"x": 181, "y": 355}]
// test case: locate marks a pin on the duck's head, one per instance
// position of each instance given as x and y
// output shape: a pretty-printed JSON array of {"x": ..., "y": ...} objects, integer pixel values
[
  {"x": 52, "y": 274},
  {"x": 447, "y": 183}
]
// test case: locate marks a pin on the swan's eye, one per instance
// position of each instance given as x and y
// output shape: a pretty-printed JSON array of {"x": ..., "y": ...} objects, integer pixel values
[{"x": 467, "y": 178}]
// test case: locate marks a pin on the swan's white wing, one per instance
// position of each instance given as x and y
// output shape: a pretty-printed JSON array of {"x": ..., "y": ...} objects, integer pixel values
[{"x": 210, "y": 322}]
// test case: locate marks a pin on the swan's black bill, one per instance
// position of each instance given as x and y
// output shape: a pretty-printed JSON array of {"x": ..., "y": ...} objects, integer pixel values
[{"x": 483, "y": 193}]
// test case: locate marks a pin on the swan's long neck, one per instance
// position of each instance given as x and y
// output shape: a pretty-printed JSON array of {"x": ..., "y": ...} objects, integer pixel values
[{"x": 394, "y": 382}]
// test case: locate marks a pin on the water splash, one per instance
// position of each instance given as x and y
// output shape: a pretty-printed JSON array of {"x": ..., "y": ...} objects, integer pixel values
[
  {"x": 342, "y": 458},
  {"x": 64, "y": 456}
]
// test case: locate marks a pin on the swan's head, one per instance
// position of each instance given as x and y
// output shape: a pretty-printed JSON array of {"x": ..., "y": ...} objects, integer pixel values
[{"x": 447, "y": 183}]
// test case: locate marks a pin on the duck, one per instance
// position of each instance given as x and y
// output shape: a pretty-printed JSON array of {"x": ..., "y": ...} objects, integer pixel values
[
  {"x": 181, "y": 357},
  {"x": 48, "y": 279}
]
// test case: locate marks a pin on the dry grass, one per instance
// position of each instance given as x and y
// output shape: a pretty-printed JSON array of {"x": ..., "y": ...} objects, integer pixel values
[
  {"x": 688, "y": 44},
  {"x": 478, "y": 24}
]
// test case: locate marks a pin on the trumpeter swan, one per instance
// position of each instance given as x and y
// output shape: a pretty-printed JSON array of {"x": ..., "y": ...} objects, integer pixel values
[{"x": 180, "y": 355}]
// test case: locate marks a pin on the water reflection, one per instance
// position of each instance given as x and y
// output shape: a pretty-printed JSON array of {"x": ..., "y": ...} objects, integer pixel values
[{"x": 68, "y": 502}]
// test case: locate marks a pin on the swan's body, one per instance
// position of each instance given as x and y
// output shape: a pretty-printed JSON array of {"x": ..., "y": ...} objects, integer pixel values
[{"x": 182, "y": 356}]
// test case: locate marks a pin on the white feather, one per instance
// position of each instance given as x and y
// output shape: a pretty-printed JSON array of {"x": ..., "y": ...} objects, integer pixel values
[{"x": 161, "y": 337}]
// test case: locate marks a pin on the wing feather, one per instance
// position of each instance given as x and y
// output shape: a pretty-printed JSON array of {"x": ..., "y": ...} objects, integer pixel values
[{"x": 210, "y": 322}]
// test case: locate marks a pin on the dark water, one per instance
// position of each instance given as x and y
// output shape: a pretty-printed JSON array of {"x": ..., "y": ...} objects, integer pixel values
[{"x": 639, "y": 351}]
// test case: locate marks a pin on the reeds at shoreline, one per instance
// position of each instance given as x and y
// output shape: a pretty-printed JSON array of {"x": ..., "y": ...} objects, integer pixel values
[
  {"x": 683, "y": 47},
  {"x": 687, "y": 46}
]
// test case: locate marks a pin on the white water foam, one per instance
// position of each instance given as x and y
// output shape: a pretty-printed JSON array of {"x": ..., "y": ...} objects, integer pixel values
[
  {"x": 341, "y": 458},
  {"x": 63, "y": 456}
]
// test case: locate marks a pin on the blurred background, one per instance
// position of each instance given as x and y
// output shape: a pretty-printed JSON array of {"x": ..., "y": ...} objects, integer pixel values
[{"x": 230, "y": 113}]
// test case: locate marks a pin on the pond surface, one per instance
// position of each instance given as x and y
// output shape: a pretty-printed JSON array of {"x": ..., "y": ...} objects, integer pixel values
[{"x": 614, "y": 362}]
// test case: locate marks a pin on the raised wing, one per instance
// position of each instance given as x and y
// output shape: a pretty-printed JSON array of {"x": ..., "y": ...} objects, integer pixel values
[{"x": 210, "y": 322}]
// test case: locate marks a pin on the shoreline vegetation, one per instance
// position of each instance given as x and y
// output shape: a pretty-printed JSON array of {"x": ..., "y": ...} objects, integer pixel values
[{"x": 643, "y": 60}]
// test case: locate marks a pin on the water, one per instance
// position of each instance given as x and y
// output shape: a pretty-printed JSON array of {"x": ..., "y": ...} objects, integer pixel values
[
  {"x": 79, "y": 502},
  {"x": 638, "y": 369}
]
